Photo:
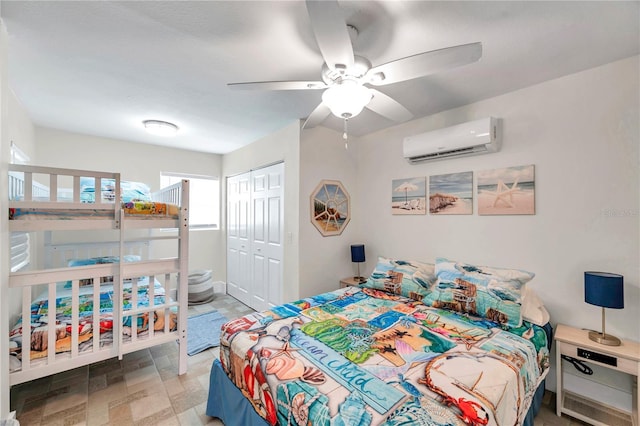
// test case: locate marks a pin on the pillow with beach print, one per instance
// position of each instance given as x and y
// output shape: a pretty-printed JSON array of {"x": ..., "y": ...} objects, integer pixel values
[
  {"x": 492, "y": 293},
  {"x": 408, "y": 278}
]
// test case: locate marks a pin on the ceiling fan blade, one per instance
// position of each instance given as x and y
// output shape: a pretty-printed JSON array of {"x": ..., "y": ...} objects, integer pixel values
[
  {"x": 317, "y": 116},
  {"x": 332, "y": 35},
  {"x": 388, "y": 107},
  {"x": 424, "y": 64},
  {"x": 278, "y": 85}
]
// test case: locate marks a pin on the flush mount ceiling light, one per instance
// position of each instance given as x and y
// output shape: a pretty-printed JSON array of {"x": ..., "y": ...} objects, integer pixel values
[{"x": 160, "y": 128}]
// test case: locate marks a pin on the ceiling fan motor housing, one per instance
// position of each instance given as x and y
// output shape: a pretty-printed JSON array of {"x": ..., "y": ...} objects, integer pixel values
[{"x": 361, "y": 66}]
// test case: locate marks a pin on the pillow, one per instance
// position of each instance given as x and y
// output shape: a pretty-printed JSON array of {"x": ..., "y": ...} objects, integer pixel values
[
  {"x": 484, "y": 291},
  {"x": 129, "y": 191},
  {"x": 409, "y": 278},
  {"x": 533, "y": 309},
  {"x": 99, "y": 261}
]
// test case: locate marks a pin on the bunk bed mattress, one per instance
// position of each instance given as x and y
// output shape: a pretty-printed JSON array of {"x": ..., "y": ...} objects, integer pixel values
[
  {"x": 364, "y": 356},
  {"x": 63, "y": 317},
  {"x": 134, "y": 209}
]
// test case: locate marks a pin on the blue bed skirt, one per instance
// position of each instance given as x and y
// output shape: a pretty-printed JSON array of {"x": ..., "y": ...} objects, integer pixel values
[{"x": 227, "y": 403}]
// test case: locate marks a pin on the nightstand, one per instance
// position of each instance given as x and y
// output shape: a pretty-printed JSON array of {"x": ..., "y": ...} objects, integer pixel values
[
  {"x": 349, "y": 281},
  {"x": 575, "y": 343}
]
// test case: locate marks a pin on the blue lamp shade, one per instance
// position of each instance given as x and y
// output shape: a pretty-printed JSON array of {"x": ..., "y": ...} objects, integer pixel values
[
  {"x": 357, "y": 253},
  {"x": 604, "y": 289}
]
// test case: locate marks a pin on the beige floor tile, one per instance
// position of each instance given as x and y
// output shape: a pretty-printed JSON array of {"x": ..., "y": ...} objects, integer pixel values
[
  {"x": 189, "y": 418},
  {"x": 173, "y": 386},
  {"x": 152, "y": 403},
  {"x": 73, "y": 398},
  {"x": 141, "y": 375},
  {"x": 98, "y": 415},
  {"x": 162, "y": 361},
  {"x": 105, "y": 396},
  {"x": 158, "y": 417},
  {"x": 171, "y": 421},
  {"x": 188, "y": 399},
  {"x": 154, "y": 383},
  {"x": 120, "y": 415}
]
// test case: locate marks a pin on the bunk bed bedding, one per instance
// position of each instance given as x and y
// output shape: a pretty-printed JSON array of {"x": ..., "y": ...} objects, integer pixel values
[
  {"x": 133, "y": 209},
  {"x": 135, "y": 199},
  {"x": 361, "y": 355},
  {"x": 40, "y": 316}
]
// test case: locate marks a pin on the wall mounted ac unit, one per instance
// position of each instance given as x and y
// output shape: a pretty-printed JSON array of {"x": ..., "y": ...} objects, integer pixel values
[{"x": 471, "y": 138}]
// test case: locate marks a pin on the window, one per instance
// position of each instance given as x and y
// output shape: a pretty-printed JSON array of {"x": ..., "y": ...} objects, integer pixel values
[
  {"x": 17, "y": 155},
  {"x": 204, "y": 198}
]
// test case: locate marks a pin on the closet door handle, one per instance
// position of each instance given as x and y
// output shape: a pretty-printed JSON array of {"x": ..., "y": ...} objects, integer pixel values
[{"x": 259, "y": 249}]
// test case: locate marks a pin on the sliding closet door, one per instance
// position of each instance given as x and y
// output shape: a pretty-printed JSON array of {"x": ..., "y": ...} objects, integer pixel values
[
  {"x": 255, "y": 231},
  {"x": 238, "y": 258},
  {"x": 266, "y": 235}
]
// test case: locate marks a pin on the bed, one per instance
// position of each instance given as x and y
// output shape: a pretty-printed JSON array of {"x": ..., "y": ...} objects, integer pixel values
[
  {"x": 435, "y": 344},
  {"x": 111, "y": 296}
]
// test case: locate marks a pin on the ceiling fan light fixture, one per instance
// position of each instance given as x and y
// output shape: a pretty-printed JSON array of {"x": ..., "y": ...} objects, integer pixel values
[
  {"x": 160, "y": 128},
  {"x": 346, "y": 100}
]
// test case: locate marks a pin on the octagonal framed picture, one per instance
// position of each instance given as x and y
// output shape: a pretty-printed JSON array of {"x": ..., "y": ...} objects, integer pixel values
[{"x": 330, "y": 207}]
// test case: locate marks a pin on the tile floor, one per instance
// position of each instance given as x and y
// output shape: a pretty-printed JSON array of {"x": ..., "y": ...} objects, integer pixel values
[{"x": 144, "y": 388}]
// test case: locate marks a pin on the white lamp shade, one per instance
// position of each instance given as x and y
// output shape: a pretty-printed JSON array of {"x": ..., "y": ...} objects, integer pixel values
[{"x": 347, "y": 99}]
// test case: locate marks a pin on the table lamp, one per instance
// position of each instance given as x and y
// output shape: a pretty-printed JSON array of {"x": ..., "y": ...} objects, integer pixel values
[
  {"x": 604, "y": 289},
  {"x": 357, "y": 256}
]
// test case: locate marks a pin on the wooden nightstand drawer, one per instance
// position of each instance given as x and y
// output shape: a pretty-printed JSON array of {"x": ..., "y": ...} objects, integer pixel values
[{"x": 620, "y": 364}]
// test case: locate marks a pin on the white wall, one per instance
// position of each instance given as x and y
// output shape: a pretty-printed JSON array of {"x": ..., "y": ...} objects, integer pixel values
[
  {"x": 283, "y": 145},
  {"x": 21, "y": 130},
  {"x": 15, "y": 126},
  {"x": 4, "y": 225},
  {"x": 324, "y": 260},
  {"x": 581, "y": 132},
  {"x": 142, "y": 163}
]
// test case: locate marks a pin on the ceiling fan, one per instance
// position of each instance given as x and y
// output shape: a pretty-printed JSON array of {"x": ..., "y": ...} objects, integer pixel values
[{"x": 346, "y": 77}]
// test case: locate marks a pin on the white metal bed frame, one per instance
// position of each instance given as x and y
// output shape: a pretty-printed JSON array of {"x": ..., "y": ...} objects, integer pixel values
[{"x": 169, "y": 270}]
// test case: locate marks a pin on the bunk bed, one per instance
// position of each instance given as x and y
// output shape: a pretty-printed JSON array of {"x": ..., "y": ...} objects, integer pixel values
[{"x": 107, "y": 296}]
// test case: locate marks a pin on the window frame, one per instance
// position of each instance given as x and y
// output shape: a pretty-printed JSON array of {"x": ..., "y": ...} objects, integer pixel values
[
  {"x": 216, "y": 203},
  {"x": 18, "y": 156}
]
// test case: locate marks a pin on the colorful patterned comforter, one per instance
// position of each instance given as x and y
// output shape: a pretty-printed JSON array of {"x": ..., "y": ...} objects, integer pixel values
[
  {"x": 63, "y": 318},
  {"x": 361, "y": 357}
]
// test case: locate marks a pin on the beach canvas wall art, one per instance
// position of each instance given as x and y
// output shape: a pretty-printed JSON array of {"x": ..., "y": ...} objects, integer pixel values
[
  {"x": 330, "y": 207},
  {"x": 409, "y": 196},
  {"x": 506, "y": 191},
  {"x": 451, "y": 193}
]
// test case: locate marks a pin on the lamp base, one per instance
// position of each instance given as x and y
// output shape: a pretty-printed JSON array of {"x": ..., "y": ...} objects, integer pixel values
[
  {"x": 360, "y": 279},
  {"x": 604, "y": 339}
]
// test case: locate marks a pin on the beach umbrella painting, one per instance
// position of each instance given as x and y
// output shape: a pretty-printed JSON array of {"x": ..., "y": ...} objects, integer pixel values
[{"x": 406, "y": 187}]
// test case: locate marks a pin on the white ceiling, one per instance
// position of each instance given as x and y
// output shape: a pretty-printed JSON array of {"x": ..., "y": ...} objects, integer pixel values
[{"x": 101, "y": 67}]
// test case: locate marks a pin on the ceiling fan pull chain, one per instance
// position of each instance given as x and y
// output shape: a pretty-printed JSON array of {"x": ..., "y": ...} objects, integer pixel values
[{"x": 345, "y": 135}]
